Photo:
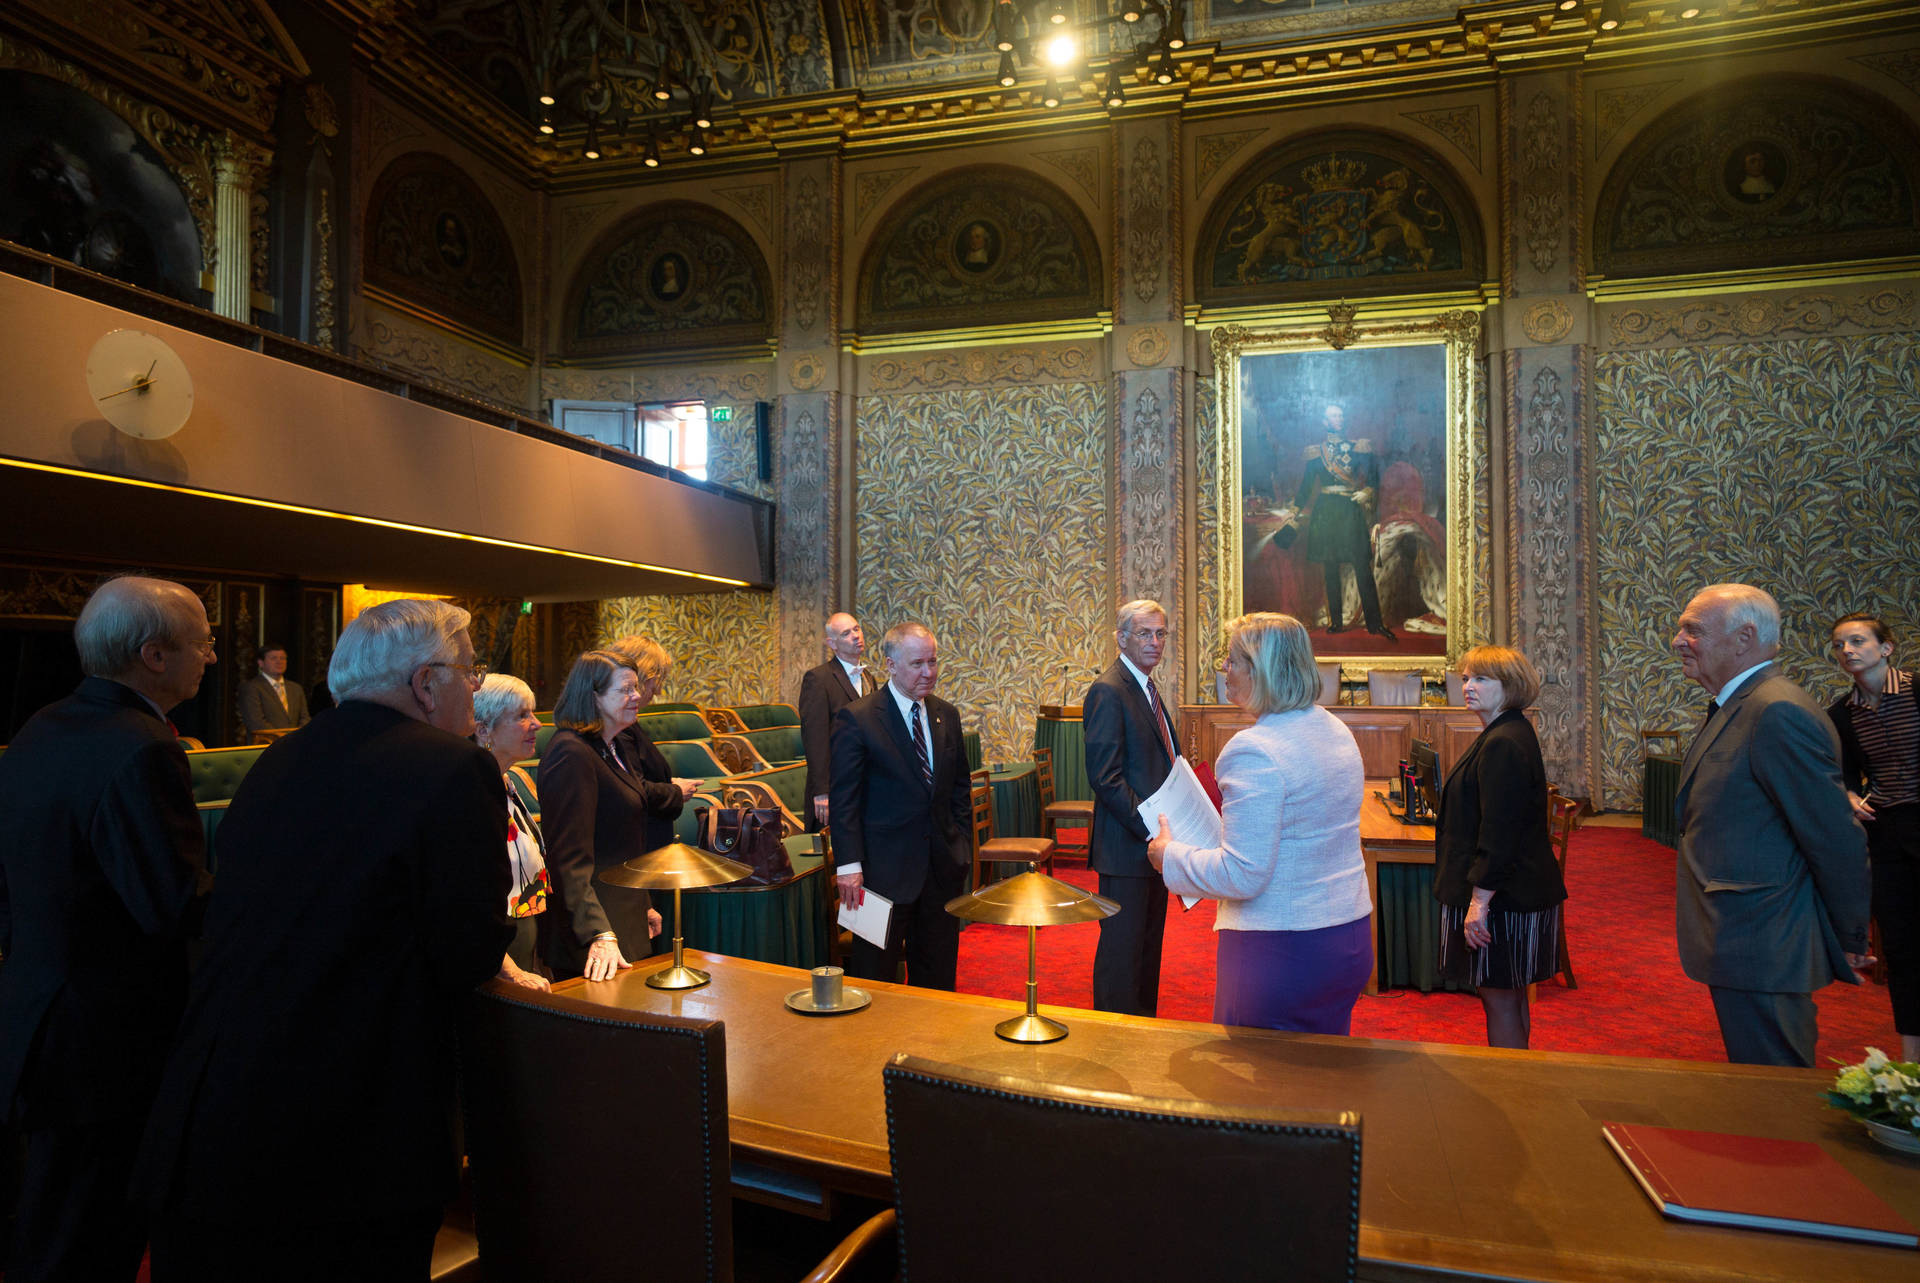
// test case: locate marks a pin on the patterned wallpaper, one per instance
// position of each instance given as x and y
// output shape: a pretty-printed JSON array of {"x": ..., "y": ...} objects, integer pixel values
[
  {"x": 982, "y": 513},
  {"x": 722, "y": 643},
  {"x": 1790, "y": 464},
  {"x": 1204, "y": 645}
]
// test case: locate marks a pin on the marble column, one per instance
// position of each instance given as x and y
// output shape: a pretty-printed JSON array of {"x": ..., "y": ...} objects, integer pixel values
[
  {"x": 1151, "y": 380},
  {"x": 810, "y": 484},
  {"x": 239, "y": 170},
  {"x": 1539, "y": 367}
]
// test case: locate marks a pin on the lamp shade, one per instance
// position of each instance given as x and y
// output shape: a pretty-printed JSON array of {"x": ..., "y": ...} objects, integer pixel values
[
  {"x": 674, "y": 867},
  {"x": 1031, "y": 900}
]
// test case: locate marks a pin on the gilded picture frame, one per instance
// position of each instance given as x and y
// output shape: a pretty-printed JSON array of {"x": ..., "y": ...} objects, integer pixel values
[{"x": 1331, "y": 440}]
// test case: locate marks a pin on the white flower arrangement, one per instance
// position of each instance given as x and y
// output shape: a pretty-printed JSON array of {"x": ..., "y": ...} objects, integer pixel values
[{"x": 1879, "y": 1090}]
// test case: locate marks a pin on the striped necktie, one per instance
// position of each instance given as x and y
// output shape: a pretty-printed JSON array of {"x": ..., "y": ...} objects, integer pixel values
[
  {"x": 1160, "y": 719},
  {"x": 920, "y": 747}
]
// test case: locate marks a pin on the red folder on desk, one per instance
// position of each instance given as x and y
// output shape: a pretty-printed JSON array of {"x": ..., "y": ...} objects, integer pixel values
[{"x": 1756, "y": 1183}]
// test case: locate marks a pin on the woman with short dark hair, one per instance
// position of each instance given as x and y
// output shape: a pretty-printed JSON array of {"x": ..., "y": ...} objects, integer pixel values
[
  {"x": 1879, "y": 725},
  {"x": 1494, "y": 874}
]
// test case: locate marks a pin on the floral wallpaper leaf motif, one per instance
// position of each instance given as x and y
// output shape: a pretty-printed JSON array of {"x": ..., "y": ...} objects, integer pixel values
[
  {"x": 983, "y": 514},
  {"x": 722, "y": 643},
  {"x": 1792, "y": 465}
]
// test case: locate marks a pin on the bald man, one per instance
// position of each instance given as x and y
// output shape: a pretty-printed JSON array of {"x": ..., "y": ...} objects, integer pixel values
[
  {"x": 824, "y": 691},
  {"x": 98, "y": 878}
]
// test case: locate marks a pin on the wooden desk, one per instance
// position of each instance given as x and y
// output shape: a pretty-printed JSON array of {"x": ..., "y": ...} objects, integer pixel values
[
  {"x": 1385, "y": 839},
  {"x": 1475, "y": 1160}
]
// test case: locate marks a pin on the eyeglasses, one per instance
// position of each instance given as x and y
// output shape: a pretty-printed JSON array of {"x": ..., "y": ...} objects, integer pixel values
[
  {"x": 202, "y": 644},
  {"x": 474, "y": 673}
]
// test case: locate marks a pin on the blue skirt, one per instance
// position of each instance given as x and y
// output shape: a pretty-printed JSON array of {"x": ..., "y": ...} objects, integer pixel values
[{"x": 1304, "y": 981}]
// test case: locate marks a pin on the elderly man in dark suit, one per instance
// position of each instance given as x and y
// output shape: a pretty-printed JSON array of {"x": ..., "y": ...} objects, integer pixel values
[
  {"x": 1131, "y": 744},
  {"x": 270, "y": 700},
  {"x": 304, "y": 1116},
  {"x": 824, "y": 691},
  {"x": 1772, "y": 886},
  {"x": 98, "y": 878},
  {"x": 901, "y": 806}
]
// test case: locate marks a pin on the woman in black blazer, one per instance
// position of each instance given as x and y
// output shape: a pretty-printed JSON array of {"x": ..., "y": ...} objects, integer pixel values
[
  {"x": 1494, "y": 874},
  {"x": 664, "y": 792},
  {"x": 593, "y": 813}
]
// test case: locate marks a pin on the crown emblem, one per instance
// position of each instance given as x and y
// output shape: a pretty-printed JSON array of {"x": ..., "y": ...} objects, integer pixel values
[{"x": 1334, "y": 174}]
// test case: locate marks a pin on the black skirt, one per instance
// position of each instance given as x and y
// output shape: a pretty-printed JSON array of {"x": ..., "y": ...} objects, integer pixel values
[{"x": 1525, "y": 949}]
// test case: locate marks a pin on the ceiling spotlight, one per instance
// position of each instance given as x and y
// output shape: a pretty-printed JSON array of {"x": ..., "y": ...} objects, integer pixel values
[
  {"x": 1163, "y": 75},
  {"x": 1052, "y": 96},
  {"x": 703, "y": 104},
  {"x": 546, "y": 120},
  {"x": 1176, "y": 27},
  {"x": 1003, "y": 20},
  {"x": 1130, "y": 12},
  {"x": 546, "y": 89},
  {"x": 697, "y": 143},
  {"x": 1568, "y": 6},
  {"x": 661, "y": 92},
  {"x": 1691, "y": 11},
  {"x": 592, "y": 148},
  {"x": 1116, "y": 92},
  {"x": 1058, "y": 13},
  {"x": 1061, "y": 50},
  {"x": 1006, "y": 76},
  {"x": 652, "y": 157},
  {"x": 1612, "y": 14}
]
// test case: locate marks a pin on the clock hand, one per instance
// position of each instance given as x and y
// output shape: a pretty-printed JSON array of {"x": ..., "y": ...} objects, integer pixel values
[{"x": 140, "y": 386}]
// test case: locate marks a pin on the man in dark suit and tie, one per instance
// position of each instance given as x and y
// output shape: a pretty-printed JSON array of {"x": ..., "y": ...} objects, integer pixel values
[
  {"x": 824, "y": 691},
  {"x": 1131, "y": 744},
  {"x": 1772, "y": 878},
  {"x": 98, "y": 878},
  {"x": 305, "y": 1112},
  {"x": 901, "y": 807},
  {"x": 270, "y": 700}
]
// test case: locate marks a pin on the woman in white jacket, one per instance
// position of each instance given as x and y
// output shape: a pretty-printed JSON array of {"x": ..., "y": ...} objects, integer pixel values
[{"x": 1295, "y": 921}]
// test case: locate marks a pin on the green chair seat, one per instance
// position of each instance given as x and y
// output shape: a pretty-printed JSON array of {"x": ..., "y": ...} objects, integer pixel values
[
  {"x": 673, "y": 726},
  {"x": 217, "y": 772},
  {"x": 788, "y": 783},
  {"x": 780, "y": 745},
  {"x": 691, "y": 759}
]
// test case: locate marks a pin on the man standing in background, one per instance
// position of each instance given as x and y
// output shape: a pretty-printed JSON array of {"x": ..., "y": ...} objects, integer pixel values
[
  {"x": 1131, "y": 744},
  {"x": 269, "y": 700},
  {"x": 824, "y": 691}
]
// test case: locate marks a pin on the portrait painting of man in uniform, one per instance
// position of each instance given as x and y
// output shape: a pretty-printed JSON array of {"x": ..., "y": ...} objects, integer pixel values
[{"x": 1343, "y": 468}]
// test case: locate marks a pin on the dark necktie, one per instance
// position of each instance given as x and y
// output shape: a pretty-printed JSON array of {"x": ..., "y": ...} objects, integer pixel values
[
  {"x": 1160, "y": 719},
  {"x": 1713, "y": 706},
  {"x": 920, "y": 747}
]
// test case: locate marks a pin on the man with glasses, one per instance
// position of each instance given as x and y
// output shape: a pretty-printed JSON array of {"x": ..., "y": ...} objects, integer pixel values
[
  {"x": 304, "y": 1113},
  {"x": 1131, "y": 744},
  {"x": 99, "y": 876}
]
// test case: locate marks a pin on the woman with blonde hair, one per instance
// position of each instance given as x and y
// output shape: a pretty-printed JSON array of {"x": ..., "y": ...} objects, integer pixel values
[
  {"x": 1295, "y": 923},
  {"x": 1494, "y": 874},
  {"x": 504, "y": 725}
]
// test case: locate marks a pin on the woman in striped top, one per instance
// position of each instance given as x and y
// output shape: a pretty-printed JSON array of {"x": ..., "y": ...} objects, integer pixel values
[{"x": 1879, "y": 725}]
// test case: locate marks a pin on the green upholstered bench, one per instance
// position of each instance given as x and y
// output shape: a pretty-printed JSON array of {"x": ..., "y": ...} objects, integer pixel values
[
  {"x": 760, "y": 716},
  {"x": 692, "y": 759},
  {"x": 778, "y": 745},
  {"x": 217, "y": 772},
  {"x": 673, "y": 726}
]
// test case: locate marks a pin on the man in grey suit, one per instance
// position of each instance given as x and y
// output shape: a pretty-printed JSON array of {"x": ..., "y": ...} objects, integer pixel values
[
  {"x": 1772, "y": 887},
  {"x": 270, "y": 700}
]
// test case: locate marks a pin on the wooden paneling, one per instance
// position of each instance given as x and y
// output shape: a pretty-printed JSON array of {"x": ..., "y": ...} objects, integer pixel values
[{"x": 1383, "y": 733}]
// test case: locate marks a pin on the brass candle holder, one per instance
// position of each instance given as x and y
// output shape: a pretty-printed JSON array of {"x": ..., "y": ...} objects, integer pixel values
[
  {"x": 675, "y": 867},
  {"x": 1031, "y": 900}
]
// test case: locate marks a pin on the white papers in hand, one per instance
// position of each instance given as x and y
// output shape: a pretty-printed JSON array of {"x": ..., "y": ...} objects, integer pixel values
[
  {"x": 871, "y": 919},
  {"x": 1189, "y": 811}
]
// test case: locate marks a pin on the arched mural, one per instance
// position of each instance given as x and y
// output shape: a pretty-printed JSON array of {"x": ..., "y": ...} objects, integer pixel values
[
  {"x": 672, "y": 275},
  {"x": 1761, "y": 173},
  {"x": 1370, "y": 212},
  {"x": 981, "y": 244},
  {"x": 433, "y": 238},
  {"x": 77, "y": 182}
]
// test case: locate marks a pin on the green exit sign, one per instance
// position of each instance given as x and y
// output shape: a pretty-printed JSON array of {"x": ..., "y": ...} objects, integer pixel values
[{"x": 721, "y": 414}]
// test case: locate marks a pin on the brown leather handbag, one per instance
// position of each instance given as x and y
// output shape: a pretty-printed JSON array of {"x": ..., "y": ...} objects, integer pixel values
[{"x": 751, "y": 835}]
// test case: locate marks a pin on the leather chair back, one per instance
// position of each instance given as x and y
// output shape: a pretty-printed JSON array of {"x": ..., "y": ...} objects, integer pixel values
[
  {"x": 1393, "y": 689},
  {"x": 568, "y": 1108},
  {"x": 216, "y": 772},
  {"x": 1075, "y": 1177},
  {"x": 1329, "y": 683}
]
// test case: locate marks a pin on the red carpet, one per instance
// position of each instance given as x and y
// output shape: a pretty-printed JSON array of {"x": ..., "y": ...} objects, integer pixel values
[{"x": 1633, "y": 999}]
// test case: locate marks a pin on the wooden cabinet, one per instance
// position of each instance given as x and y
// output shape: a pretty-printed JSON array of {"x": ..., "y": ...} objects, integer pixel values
[{"x": 1383, "y": 733}]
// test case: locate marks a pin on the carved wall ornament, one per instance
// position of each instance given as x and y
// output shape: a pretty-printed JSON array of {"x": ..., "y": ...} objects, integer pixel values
[
  {"x": 1902, "y": 65},
  {"x": 438, "y": 359},
  {"x": 389, "y": 128},
  {"x": 1148, "y": 346},
  {"x": 1543, "y": 199},
  {"x": 807, "y": 533},
  {"x": 1545, "y": 532},
  {"x": 1759, "y": 316},
  {"x": 806, "y": 372},
  {"x": 1146, "y": 233},
  {"x": 321, "y": 113},
  {"x": 1458, "y": 125},
  {"x": 1768, "y": 171},
  {"x": 869, "y": 187},
  {"x": 1214, "y": 150},
  {"x": 433, "y": 238},
  {"x": 676, "y": 383},
  {"x": 1547, "y": 321},
  {"x": 577, "y": 220},
  {"x": 754, "y": 199},
  {"x": 676, "y": 275},
  {"x": 1613, "y": 108},
  {"x": 1145, "y": 493},
  {"x": 806, "y": 254},
  {"x": 985, "y": 366},
  {"x": 985, "y": 244},
  {"x": 1081, "y": 164},
  {"x": 324, "y": 285},
  {"x": 1369, "y": 211}
]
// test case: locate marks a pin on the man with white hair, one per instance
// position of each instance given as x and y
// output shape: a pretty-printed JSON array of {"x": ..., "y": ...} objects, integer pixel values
[
  {"x": 98, "y": 877},
  {"x": 304, "y": 1113},
  {"x": 1772, "y": 880}
]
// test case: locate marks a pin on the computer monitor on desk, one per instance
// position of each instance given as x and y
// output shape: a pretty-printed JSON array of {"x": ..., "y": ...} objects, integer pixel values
[{"x": 1423, "y": 766}]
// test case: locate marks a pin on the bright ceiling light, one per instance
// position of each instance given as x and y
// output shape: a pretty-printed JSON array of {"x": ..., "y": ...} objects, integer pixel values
[{"x": 1061, "y": 50}]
